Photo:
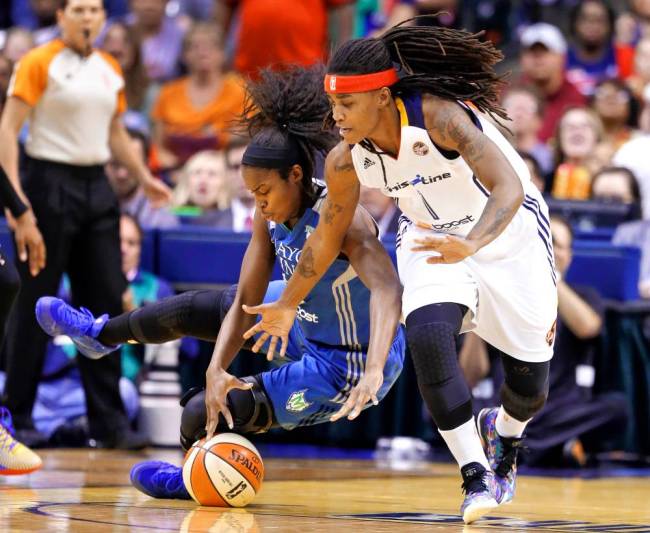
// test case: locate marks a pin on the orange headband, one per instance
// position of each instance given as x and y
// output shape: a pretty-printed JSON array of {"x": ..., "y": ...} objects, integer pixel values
[{"x": 360, "y": 83}]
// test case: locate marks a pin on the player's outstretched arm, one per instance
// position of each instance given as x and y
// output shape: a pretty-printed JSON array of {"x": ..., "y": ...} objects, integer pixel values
[
  {"x": 450, "y": 127},
  {"x": 373, "y": 265},
  {"x": 254, "y": 277},
  {"x": 320, "y": 250}
]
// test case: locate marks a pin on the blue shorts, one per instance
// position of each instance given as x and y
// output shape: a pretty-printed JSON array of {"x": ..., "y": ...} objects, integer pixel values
[{"x": 315, "y": 380}]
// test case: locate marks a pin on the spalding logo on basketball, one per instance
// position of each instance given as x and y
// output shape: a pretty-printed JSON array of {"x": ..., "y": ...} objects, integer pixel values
[{"x": 226, "y": 471}]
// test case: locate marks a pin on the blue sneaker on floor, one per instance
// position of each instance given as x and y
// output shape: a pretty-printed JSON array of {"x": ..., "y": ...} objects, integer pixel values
[
  {"x": 501, "y": 452},
  {"x": 58, "y": 318},
  {"x": 159, "y": 480},
  {"x": 482, "y": 492}
]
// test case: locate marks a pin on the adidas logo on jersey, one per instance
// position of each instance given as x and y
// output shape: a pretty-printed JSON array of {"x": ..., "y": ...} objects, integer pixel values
[{"x": 367, "y": 163}]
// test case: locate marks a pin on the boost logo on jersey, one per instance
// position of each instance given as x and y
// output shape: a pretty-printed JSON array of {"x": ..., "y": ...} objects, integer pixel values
[
  {"x": 424, "y": 180},
  {"x": 453, "y": 223}
]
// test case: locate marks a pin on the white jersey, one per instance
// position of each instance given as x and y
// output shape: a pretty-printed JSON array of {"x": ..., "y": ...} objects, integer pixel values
[
  {"x": 430, "y": 184},
  {"x": 509, "y": 285}
]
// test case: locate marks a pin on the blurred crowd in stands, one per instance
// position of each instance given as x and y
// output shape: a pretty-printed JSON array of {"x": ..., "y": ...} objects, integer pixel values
[{"x": 577, "y": 93}]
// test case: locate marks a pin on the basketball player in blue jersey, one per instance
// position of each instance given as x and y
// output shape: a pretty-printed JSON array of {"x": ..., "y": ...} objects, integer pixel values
[
  {"x": 345, "y": 350},
  {"x": 413, "y": 109}
]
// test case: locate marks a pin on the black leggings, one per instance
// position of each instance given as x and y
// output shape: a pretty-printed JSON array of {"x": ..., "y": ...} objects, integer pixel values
[
  {"x": 9, "y": 287},
  {"x": 432, "y": 332},
  {"x": 190, "y": 314}
]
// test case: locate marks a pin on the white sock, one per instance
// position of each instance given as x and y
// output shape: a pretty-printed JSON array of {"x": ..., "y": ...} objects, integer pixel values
[
  {"x": 464, "y": 444},
  {"x": 509, "y": 427}
]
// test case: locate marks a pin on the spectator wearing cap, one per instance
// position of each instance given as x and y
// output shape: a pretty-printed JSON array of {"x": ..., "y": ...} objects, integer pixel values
[{"x": 543, "y": 62}]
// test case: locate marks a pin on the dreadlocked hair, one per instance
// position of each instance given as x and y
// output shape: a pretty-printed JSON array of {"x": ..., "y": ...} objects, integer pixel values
[
  {"x": 290, "y": 106},
  {"x": 451, "y": 64}
]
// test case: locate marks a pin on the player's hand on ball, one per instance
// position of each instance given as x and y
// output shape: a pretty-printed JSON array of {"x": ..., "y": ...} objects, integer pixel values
[
  {"x": 276, "y": 323},
  {"x": 218, "y": 384},
  {"x": 452, "y": 249},
  {"x": 364, "y": 391}
]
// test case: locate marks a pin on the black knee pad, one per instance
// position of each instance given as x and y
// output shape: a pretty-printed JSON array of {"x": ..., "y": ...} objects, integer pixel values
[
  {"x": 440, "y": 380},
  {"x": 520, "y": 407},
  {"x": 251, "y": 411}
]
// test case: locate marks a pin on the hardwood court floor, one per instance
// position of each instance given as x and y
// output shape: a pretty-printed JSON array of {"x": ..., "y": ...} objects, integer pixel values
[{"x": 89, "y": 491}]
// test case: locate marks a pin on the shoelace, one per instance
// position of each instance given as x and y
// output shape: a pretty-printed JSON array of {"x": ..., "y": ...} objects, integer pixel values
[
  {"x": 474, "y": 484},
  {"x": 6, "y": 440},
  {"x": 6, "y": 421},
  {"x": 511, "y": 449},
  {"x": 81, "y": 319},
  {"x": 171, "y": 476}
]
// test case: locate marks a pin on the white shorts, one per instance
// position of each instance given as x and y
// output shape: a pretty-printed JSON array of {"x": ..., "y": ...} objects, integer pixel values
[{"x": 508, "y": 286}]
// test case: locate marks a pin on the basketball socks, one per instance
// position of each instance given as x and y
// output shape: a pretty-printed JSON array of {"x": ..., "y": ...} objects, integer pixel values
[
  {"x": 464, "y": 444},
  {"x": 116, "y": 331},
  {"x": 508, "y": 426}
]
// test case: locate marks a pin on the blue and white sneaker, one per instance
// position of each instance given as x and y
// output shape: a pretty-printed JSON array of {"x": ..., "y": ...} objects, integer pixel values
[
  {"x": 159, "y": 480},
  {"x": 58, "y": 318},
  {"x": 482, "y": 492},
  {"x": 501, "y": 452}
]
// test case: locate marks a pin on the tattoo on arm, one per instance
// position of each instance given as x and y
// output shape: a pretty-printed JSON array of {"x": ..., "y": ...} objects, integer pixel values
[
  {"x": 501, "y": 219},
  {"x": 306, "y": 264},
  {"x": 492, "y": 221},
  {"x": 451, "y": 124},
  {"x": 471, "y": 142},
  {"x": 331, "y": 210}
]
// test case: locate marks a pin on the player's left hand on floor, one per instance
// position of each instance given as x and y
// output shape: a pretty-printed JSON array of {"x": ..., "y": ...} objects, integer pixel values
[
  {"x": 275, "y": 325},
  {"x": 366, "y": 390}
]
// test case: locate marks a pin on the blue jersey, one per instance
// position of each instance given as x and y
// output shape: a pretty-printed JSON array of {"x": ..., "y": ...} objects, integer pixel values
[{"x": 337, "y": 310}]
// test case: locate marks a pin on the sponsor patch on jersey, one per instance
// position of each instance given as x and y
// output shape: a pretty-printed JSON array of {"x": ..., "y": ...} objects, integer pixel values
[
  {"x": 418, "y": 180},
  {"x": 367, "y": 163},
  {"x": 453, "y": 223},
  {"x": 419, "y": 148},
  {"x": 308, "y": 230},
  {"x": 297, "y": 402}
]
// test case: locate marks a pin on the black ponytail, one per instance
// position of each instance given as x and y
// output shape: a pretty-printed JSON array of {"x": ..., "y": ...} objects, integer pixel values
[
  {"x": 284, "y": 113},
  {"x": 451, "y": 64}
]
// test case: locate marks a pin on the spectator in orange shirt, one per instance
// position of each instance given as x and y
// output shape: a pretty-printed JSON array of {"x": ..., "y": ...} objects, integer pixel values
[
  {"x": 299, "y": 36},
  {"x": 194, "y": 113}
]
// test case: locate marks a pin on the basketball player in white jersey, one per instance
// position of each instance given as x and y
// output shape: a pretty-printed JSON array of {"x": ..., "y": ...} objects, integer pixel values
[{"x": 474, "y": 250}]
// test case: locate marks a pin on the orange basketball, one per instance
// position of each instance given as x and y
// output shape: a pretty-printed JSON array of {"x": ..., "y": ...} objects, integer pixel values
[{"x": 226, "y": 471}]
